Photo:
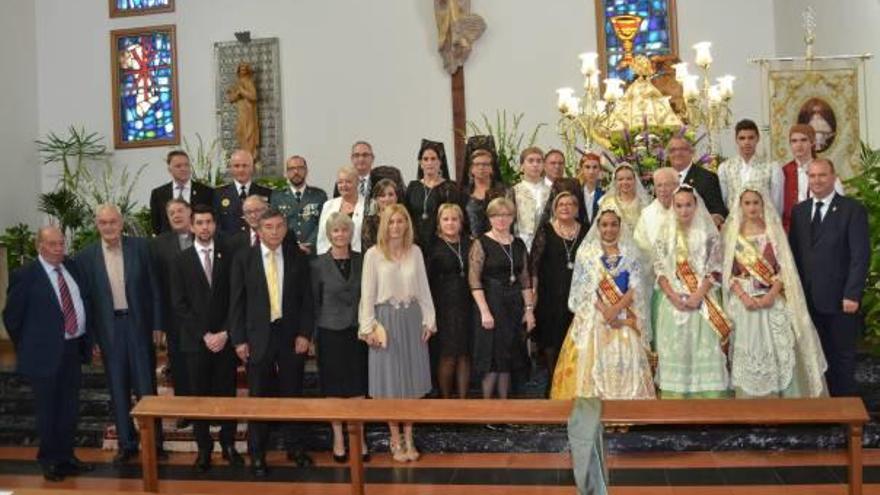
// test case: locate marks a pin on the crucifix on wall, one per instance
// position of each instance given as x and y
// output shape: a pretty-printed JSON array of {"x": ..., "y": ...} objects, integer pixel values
[{"x": 457, "y": 29}]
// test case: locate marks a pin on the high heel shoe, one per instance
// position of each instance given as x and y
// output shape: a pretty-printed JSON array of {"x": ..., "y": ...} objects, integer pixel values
[
  {"x": 411, "y": 453},
  {"x": 340, "y": 458},
  {"x": 398, "y": 454}
]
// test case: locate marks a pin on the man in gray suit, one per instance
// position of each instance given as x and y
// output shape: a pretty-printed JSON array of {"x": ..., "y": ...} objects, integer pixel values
[
  {"x": 119, "y": 274},
  {"x": 300, "y": 203}
]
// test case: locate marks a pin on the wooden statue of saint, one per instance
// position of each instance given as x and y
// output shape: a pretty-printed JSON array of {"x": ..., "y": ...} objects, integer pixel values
[
  {"x": 457, "y": 29},
  {"x": 244, "y": 95}
]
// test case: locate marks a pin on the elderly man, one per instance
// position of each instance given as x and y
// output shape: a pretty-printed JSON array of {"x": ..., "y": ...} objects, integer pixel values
[
  {"x": 648, "y": 227},
  {"x": 228, "y": 200},
  {"x": 681, "y": 158},
  {"x": 46, "y": 316},
  {"x": 829, "y": 241},
  {"x": 164, "y": 249},
  {"x": 271, "y": 320},
  {"x": 181, "y": 187},
  {"x": 300, "y": 203},
  {"x": 362, "y": 160},
  {"x": 119, "y": 274},
  {"x": 253, "y": 209}
]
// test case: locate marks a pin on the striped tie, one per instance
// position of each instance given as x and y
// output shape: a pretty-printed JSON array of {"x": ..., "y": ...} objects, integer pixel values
[{"x": 70, "y": 325}]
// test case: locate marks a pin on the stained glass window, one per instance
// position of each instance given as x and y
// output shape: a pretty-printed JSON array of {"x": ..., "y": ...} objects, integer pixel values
[
  {"x": 145, "y": 87},
  {"x": 635, "y": 27},
  {"x": 120, "y": 8}
]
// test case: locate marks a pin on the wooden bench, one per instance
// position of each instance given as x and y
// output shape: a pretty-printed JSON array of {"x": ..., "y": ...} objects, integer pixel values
[{"x": 849, "y": 412}]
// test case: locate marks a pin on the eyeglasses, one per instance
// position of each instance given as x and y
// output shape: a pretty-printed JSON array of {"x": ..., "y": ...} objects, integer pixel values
[{"x": 361, "y": 155}]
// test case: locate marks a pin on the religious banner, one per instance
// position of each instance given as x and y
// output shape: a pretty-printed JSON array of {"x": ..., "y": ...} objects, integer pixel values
[
  {"x": 823, "y": 95},
  {"x": 144, "y": 65},
  {"x": 627, "y": 28},
  {"x": 248, "y": 100},
  {"x": 126, "y": 8}
]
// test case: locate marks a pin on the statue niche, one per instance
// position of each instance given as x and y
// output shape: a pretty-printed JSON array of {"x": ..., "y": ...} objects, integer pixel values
[{"x": 243, "y": 94}]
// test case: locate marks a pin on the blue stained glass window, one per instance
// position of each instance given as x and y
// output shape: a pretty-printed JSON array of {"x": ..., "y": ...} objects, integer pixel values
[
  {"x": 145, "y": 87},
  {"x": 125, "y": 5},
  {"x": 651, "y": 38}
]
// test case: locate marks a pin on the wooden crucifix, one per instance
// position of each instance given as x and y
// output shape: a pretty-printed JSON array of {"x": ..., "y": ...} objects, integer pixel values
[{"x": 457, "y": 29}]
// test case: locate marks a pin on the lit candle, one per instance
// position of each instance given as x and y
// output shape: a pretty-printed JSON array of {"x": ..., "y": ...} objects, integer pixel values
[
  {"x": 725, "y": 83},
  {"x": 689, "y": 86},
  {"x": 574, "y": 106},
  {"x": 714, "y": 94},
  {"x": 565, "y": 95},
  {"x": 591, "y": 81},
  {"x": 601, "y": 106},
  {"x": 613, "y": 89},
  {"x": 681, "y": 71},
  {"x": 588, "y": 63},
  {"x": 704, "y": 56}
]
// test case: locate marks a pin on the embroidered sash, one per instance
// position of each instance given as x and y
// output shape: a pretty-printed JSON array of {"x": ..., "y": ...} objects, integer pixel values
[
  {"x": 719, "y": 322},
  {"x": 611, "y": 295},
  {"x": 747, "y": 255}
]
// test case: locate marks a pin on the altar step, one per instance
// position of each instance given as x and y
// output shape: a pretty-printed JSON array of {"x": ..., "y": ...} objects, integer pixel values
[{"x": 17, "y": 425}]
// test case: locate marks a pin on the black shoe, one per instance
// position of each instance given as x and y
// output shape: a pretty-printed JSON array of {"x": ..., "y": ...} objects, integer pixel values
[
  {"x": 366, "y": 457},
  {"x": 53, "y": 472},
  {"x": 259, "y": 468},
  {"x": 123, "y": 456},
  {"x": 183, "y": 423},
  {"x": 232, "y": 456},
  {"x": 203, "y": 461},
  {"x": 161, "y": 454},
  {"x": 300, "y": 458},
  {"x": 340, "y": 458},
  {"x": 74, "y": 466}
]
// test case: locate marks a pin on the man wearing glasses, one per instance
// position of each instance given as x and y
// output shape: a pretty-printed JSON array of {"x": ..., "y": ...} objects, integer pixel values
[
  {"x": 681, "y": 155},
  {"x": 362, "y": 161}
]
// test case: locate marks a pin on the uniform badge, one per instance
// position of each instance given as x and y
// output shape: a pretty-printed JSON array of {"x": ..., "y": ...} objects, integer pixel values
[{"x": 225, "y": 202}]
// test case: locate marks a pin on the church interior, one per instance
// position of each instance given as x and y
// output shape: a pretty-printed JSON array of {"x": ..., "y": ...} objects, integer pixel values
[{"x": 98, "y": 92}]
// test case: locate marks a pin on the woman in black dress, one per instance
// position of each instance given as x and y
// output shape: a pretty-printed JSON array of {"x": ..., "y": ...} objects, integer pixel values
[
  {"x": 481, "y": 184},
  {"x": 498, "y": 275},
  {"x": 336, "y": 289},
  {"x": 447, "y": 261},
  {"x": 384, "y": 193},
  {"x": 432, "y": 189},
  {"x": 553, "y": 252}
]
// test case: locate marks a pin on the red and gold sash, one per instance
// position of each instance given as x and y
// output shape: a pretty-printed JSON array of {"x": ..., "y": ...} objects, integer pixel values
[
  {"x": 611, "y": 295},
  {"x": 713, "y": 313},
  {"x": 748, "y": 256}
]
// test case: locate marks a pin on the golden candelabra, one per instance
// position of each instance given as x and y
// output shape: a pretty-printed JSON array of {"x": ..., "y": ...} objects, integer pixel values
[{"x": 706, "y": 105}]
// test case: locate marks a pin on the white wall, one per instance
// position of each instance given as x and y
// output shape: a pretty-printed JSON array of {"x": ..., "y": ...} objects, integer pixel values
[
  {"x": 355, "y": 69},
  {"x": 18, "y": 106},
  {"x": 842, "y": 28}
]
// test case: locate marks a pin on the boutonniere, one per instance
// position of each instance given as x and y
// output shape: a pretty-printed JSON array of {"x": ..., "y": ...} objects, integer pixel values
[{"x": 225, "y": 202}]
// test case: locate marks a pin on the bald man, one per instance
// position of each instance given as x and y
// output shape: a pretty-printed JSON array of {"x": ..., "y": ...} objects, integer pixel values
[
  {"x": 228, "y": 199},
  {"x": 47, "y": 321}
]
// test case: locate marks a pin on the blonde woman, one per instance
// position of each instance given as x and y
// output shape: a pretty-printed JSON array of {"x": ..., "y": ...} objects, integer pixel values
[
  {"x": 396, "y": 320},
  {"x": 348, "y": 202}
]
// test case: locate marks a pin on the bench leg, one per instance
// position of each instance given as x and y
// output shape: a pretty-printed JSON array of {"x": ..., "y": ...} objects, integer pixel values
[
  {"x": 855, "y": 459},
  {"x": 356, "y": 463},
  {"x": 148, "y": 454}
]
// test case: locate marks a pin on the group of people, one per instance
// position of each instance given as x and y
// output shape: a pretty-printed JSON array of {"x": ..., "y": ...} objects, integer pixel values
[{"x": 745, "y": 283}]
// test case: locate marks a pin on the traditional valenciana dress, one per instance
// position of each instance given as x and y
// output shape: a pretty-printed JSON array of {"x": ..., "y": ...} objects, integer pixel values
[
  {"x": 645, "y": 236},
  {"x": 775, "y": 351},
  {"x": 598, "y": 360},
  {"x": 690, "y": 344}
]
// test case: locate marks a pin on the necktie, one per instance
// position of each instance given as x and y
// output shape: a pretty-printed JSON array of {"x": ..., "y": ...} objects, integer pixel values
[
  {"x": 243, "y": 194},
  {"x": 209, "y": 264},
  {"x": 298, "y": 195},
  {"x": 363, "y": 187},
  {"x": 179, "y": 191},
  {"x": 816, "y": 224},
  {"x": 272, "y": 284},
  {"x": 70, "y": 324},
  {"x": 256, "y": 241}
]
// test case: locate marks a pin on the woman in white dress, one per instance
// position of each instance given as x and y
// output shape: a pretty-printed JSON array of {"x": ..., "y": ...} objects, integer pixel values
[
  {"x": 626, "y": 195},
  {"x": 775, "y": 350}
]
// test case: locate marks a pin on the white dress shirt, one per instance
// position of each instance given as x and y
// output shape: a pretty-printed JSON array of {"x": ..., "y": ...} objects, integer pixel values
[
  {"x": 187, "y": 190},
  {"x": 238, "y": 185},
  {"x": 200, "y": 249},
  {"x": 826, "y": 202},
  {"x": 75, "y": 296}
]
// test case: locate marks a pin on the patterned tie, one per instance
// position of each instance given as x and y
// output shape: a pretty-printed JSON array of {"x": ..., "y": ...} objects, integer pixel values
[
  {"x": 298, "y": 195},
  {"x": 243, "y": 194},
  {"x": 208, "y": 265},
  {"x": 362, "y": 188},
  {"x": 272, "y": 284},
  {"x": 70, "y": 324},
  {"x": 816, "y": 224}
]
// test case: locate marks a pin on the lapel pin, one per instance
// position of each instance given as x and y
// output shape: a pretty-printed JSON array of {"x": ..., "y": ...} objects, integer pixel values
[{"x": 833, "y": 208}]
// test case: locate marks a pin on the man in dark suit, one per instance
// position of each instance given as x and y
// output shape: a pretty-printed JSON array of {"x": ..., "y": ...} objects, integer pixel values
[
  {"x": 200, "y": 298},
  {"x": 829, "y": 241},
  {"x": 271, "y": 319},
  {"x": 681, "y": 156},
  {"x": 589, "y": 170},
  {"x": 164, "y": 248},
  {"x": 301, "y": 204},
  {"x": 362, "y": 160},
  {"x": 228, "y": 199},
  {"x": 46, "y": 316},
  {"x": 253, "y": 208},
  {"x": 121, "y": 280},
  {"x": 181, "y": 187}
]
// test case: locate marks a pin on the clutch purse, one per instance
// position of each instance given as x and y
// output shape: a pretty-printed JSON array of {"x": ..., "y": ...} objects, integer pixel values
[{"x": 380, "y": 333}]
